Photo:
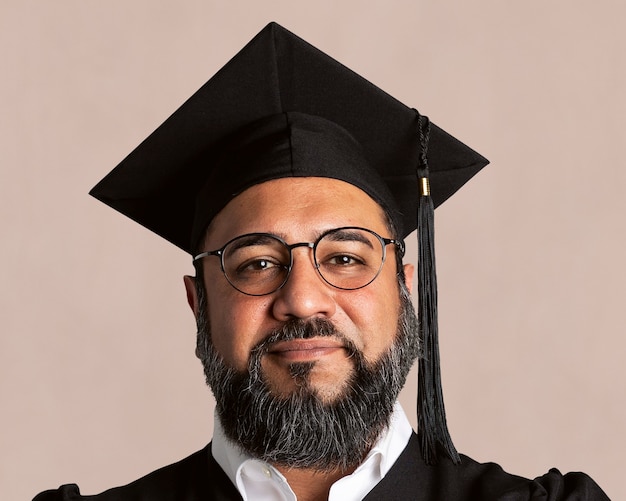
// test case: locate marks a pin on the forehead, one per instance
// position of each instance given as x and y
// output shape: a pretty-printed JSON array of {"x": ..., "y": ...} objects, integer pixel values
[{"x": 296, "y": 208}]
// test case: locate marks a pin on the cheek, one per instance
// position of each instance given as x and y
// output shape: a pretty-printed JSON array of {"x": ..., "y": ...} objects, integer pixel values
[
  {"x": 237, "y": 325},
  {"x": 375, "y": 315}
]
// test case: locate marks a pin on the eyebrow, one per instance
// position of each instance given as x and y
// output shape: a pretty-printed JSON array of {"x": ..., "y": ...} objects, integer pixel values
[
  {"x": 252, "y": 240},
  {"x": 336, "y": 235},
  {"x": 347, "y": 235}
]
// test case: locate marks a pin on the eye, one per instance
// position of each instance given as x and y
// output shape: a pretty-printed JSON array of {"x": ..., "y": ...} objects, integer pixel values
[
  {"x": 343, "y": 260},
  {"x": 259, "y": 265}
]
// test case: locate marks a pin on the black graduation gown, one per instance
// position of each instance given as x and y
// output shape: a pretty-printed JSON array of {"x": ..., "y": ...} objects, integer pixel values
[{"x": 200, "y": 478}]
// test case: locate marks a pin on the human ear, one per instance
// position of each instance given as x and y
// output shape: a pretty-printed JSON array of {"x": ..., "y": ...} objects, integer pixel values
[
  {"x": 409, "y": 270},
  {"x": 192, "y": 294}
]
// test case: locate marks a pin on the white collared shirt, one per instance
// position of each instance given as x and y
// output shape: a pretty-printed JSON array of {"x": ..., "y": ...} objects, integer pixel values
[{"x": 257, "y": 480}]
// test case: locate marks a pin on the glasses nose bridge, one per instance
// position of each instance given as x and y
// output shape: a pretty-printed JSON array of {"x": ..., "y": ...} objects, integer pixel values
[
  {"x": 308, "y": 245},
  {"x": 291, "y": 247}
]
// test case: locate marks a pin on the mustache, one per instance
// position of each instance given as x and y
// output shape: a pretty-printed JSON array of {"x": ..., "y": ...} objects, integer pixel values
[{"x": 303, "y": 329}]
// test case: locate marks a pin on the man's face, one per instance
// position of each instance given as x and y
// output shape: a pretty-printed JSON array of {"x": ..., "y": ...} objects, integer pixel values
[{"x": 299, "y": 210}]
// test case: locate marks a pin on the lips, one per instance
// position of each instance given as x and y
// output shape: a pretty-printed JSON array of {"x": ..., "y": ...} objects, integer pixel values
[{"x": 300, "y": 350}]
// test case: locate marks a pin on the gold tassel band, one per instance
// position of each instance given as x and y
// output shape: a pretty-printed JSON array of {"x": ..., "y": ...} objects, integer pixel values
[{"x": 424, "y": 187}]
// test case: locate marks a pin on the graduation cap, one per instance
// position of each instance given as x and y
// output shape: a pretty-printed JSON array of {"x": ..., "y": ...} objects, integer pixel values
[{"x": 282, "y": 108}]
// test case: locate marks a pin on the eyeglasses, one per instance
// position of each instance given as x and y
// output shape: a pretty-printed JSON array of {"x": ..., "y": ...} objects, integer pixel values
[{"x": 346, "y": 258}]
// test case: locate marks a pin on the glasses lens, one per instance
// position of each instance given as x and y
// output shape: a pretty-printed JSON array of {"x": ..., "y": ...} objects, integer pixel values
[
  {"x": 256, "y": 264},
  {"x": 349, "y": 258}
]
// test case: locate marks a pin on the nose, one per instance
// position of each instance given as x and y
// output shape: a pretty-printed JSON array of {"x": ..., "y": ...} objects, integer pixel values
[{"x": 306, "y": 294}]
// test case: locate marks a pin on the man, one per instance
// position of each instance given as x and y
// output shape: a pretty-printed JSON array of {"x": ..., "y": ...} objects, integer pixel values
[{"x": 292, "y": 182}]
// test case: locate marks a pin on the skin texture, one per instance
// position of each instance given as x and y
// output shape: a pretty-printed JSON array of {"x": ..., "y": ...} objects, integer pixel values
[{"x": 299, "y": 210}]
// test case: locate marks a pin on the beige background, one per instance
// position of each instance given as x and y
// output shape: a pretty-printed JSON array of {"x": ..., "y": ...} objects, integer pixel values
[{"x": 98, "y": 381}]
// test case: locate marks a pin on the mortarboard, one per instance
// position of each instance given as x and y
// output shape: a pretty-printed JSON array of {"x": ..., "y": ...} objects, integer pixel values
[{"x": 280, "y": 108}]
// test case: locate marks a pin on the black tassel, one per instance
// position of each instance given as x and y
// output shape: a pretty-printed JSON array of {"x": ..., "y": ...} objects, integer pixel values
[{"x": 431, "y": 413}]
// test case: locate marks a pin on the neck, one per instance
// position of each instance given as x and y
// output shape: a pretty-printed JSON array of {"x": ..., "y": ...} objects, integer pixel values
[{"x": 309, "y": 484}]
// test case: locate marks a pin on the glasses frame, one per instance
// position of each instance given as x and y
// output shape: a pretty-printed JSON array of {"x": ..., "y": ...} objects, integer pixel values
[{"x": 384, "y": 242}]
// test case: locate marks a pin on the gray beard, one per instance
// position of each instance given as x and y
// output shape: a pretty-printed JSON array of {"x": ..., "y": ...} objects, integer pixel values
[{"x": 300, "y": 430}]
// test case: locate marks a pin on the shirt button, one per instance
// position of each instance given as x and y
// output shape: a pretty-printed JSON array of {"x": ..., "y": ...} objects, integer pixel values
[{"x": 267, "y": 472}]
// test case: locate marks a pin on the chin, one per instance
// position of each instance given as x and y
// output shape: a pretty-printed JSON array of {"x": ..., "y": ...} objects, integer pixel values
[{"x": 327, "y": 384}]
